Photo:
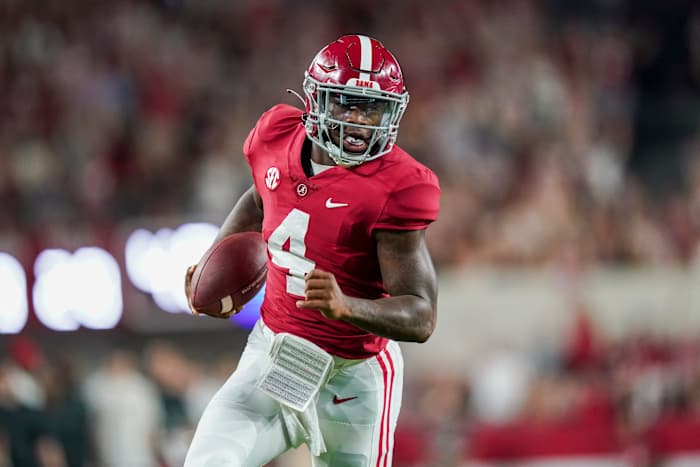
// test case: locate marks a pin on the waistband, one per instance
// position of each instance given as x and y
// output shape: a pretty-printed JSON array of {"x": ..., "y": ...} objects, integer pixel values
[{"x": 338, "y": 362}]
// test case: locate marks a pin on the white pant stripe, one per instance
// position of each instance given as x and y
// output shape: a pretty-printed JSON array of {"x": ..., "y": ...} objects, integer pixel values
[{"x": 392, "y": 399}]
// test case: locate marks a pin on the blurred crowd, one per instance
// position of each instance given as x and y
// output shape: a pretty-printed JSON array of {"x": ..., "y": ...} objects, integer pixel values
[
  {"x": 549, "y": 123},
  {"x": 562, "y": 132},
  {"x": 129, "y": 407},
  {"x": 635, "y": 400}
]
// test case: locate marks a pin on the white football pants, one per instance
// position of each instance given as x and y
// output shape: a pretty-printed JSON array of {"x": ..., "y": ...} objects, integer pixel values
[{"x": 357, "y": 412}]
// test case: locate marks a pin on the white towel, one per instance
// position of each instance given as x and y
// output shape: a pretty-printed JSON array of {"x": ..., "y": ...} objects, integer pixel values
[{"x": 304, "y": 427}]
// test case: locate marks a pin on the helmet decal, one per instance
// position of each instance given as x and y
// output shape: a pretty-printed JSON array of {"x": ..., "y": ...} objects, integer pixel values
[{"x": 365, "y": 57}]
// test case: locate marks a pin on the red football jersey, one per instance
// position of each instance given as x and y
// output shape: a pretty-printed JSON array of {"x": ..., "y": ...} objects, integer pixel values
[{"x": 326, "y": 222}]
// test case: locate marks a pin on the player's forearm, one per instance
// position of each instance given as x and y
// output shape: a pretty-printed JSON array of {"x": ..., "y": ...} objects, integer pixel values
[
  {"x": 246, "y": 216},
  {"x": 406, "y": 318}
]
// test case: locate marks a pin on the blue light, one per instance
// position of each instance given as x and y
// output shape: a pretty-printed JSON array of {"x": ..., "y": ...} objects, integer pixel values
[{"x": 250, "y": 313}]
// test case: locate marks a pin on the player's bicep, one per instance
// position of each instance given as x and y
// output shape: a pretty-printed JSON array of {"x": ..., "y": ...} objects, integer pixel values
[
  {"x": 257, "y": 199},
  {"x": 405, "y": 263},
  {"x": 246, "y": 215}
]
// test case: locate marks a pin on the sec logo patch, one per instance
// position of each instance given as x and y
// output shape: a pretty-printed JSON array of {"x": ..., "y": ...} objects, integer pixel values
[{"x": 272, "y": 178}]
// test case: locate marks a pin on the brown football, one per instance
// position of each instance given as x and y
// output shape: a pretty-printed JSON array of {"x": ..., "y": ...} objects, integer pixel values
[{"x": 229, "y": 274}]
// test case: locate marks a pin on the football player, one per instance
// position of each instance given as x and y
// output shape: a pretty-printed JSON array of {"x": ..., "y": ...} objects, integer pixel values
[{"x": 344, "y": 212}]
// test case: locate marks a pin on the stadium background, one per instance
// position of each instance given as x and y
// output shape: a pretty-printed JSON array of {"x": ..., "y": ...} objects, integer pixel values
[{"x": 565, "y": 135}]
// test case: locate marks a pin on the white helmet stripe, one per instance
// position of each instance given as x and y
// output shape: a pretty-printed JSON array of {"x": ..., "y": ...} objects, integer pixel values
[{"x": 366, "y": 56}]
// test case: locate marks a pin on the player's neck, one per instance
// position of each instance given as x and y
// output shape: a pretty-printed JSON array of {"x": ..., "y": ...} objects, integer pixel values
[{"x": 320, "y": 156}]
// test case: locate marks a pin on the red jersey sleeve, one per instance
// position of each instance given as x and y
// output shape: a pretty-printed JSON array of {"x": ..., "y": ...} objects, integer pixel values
[
  {"x": 278, "y": 121},
  {"x": 248, "y": 143},
  {"x": 413, "y": 203}
]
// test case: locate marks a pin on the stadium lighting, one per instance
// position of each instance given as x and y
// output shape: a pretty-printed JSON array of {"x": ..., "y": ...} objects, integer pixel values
[
  {"x": 156, "y": 264},
  {"x": 84, "y": 288},
  {"x": 79, "y": 289},
  {"x": 13, "y": 289}
]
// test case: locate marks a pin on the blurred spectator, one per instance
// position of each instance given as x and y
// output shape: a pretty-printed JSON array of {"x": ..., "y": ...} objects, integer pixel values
[
  {"x": 500, "y": 386},
  {"x": 125, "y": 413},
  {"x": 26, "y": 361},
  {"x": 66, "y": 412},
  {"x": 173, "y": 375},
  {"x": 21, "y": 426}
]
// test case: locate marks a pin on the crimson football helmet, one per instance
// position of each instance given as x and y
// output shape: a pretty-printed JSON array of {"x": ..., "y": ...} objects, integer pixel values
[{"x": 352, "y": 71}]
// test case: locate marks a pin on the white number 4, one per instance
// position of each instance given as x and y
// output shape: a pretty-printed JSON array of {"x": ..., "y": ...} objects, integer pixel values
[{"x": 292, "y": 228}]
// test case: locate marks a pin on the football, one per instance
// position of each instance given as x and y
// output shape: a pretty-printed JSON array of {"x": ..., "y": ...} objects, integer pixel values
[{"x": 229, "y": 274}]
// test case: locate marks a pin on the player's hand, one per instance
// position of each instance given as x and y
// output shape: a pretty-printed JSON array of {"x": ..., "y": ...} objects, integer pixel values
[
  {"x": 188, "y": 282},
  {"x": 193, "y": 310},
  {"x": 322, "y": 293}
]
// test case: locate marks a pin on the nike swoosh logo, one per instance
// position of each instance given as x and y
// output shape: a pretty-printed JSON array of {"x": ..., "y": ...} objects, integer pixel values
[
  {"x": 330, "y": 204},
  {"x": 337, "y": 400}
]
